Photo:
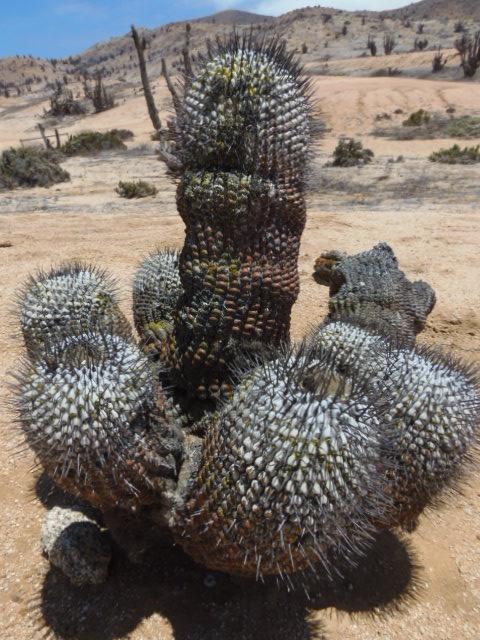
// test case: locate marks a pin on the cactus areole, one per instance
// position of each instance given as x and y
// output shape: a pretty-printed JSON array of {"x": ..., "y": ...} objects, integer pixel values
[{"x": 256, "y": 455}]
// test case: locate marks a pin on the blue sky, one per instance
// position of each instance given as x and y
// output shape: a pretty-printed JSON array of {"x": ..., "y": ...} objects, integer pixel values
[{"x": 58, "y": 28}]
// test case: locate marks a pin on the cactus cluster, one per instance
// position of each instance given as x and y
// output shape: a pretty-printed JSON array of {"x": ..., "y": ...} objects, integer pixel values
[
  {"x": 88, "y": 398},
  {"x": 257, "y": 456}
]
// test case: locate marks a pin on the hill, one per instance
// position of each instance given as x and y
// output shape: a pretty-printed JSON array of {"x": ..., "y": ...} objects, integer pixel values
[
  {"x": 439, "y": 9},
  {"x": 323, "y": 36}
]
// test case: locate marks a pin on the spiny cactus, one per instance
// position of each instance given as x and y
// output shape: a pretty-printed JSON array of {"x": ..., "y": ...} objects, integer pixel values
[
  {"x": 313, "y": 448},
  {"x": 243, "y": 139},
  {"x": 290, "y": 471},
  {"x": 432, "y": 416},
  {"x": 67, "y": 301},
  {"x": 156, "y": 290},
  {"x": 88, "y": 409},
  {"x": 369, "y": 289}
]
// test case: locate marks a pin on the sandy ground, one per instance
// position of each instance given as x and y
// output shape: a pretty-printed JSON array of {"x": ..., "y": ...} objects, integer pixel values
[{"x": 423, "y": 587}]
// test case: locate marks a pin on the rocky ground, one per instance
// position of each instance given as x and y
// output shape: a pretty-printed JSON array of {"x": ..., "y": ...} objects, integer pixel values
[{"x": 424, "y": 586}]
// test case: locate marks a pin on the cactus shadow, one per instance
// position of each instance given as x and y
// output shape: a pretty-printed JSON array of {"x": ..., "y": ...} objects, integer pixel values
[
  {"x": 172, "y": 594},
  {"x": 169, "y": 594}
]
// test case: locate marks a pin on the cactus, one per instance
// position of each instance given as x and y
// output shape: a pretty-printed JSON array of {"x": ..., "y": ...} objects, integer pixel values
[
  {"x": 289, "y": 474},
  {"x": 369, "y": 289},
  {"x": 243, "y": 139},
  {"x": 156, "y": 290},
  {"x": 88, "y": 409},
  {"x": 431, "y": 416},
  {"x": 67, "y": 301},
  {"x": 312, "y": 448}
]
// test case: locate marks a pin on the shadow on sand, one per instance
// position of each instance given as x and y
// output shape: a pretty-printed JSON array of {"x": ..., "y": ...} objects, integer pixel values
[{"x": 201, "y": 605}]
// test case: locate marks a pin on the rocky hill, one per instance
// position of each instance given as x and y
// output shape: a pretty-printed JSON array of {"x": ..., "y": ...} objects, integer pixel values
[
  {"x": 439, "y": 10},
  {"x": 323, "y": 36}
]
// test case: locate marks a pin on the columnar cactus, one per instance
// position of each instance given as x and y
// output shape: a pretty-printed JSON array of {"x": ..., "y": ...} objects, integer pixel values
[
  {"x": 243, "y": 139},
  {"x": 257, "y": 456}
]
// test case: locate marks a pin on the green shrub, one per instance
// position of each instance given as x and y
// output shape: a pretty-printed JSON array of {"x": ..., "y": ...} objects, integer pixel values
[
  {"x": 123, "y": 134},
  {"x": 135, "y": 189},
  {"x": 350, "y": 153},
  {"x": 465, "y": 127},
  {"x": 457, "y": 155},
  {"x": 30, "y": 167},
  {"x": 386, "y": 72},
  {"x": 417, "y": 118},
  {"x": 92, "y": 142}
]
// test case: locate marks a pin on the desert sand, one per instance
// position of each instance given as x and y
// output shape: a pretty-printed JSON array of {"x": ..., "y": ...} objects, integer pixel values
[{"x": 422, "y": 586}]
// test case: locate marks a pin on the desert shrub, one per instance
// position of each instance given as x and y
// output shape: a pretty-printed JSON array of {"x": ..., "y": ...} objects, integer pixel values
[
  {"x": 62, "y": 103},
  {"x": 420, "y": 45},
  {"x": 135, "y": 189},
  {"x": 417, "y": 118},
  {"x": 92, "y": 142},
  {"x": 350, "y": 153},
  {"x": 386, "y": 72},
  {"x": 457, "y": 155},
  {"x": 30, "y": 167},
  {"x": 304, "y": 48},
  {"x": 434, "y": 126},
  {"x": 123, "y": 134},
  {"x": 420, "y": 28},
  {"x": 459, "y": 27},
  {"x": 464, "y": 127}
]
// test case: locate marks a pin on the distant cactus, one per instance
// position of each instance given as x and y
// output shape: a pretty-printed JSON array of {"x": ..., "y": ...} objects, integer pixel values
[
  {"x": 438, "y": 61},
  {"x": 468, "y": 48},
  {"x": 257, "y": 456},
  {"x": 372, "y": 45},
  {"x": 389, "y": 43},
  {"x": 102, "y": 98}
]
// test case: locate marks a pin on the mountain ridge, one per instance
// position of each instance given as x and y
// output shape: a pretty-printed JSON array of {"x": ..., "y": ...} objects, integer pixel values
[{"x": 320, "y": 33}]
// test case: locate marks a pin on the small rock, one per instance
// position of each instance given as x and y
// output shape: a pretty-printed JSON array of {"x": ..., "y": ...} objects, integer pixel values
[{"x": 75, "y": 544}]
